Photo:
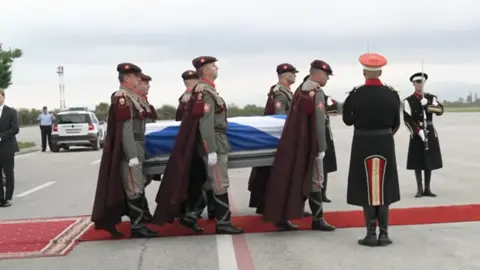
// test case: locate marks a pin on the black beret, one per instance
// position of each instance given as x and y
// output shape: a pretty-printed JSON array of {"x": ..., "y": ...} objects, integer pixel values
[
  {"x": 419, "y": 76},
  {"x": 203, "y": 60},
  {"x": 286, "y": 67},
  {"x": 145, "y": 77},
  {"x": 322, "y": 65},
  {"x": 189, "y": 75},
  {"x": 128, "y": 68}
]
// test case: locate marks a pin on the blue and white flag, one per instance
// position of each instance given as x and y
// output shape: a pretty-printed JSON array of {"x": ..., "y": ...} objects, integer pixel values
[{"x": 244, "y": 133}]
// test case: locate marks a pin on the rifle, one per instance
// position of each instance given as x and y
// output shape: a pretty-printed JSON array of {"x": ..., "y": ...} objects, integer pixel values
[{"x": 425, "y": 130}]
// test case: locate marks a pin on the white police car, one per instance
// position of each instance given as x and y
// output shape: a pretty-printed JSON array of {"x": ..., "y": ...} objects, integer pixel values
[{"x": 77, "y": 127}]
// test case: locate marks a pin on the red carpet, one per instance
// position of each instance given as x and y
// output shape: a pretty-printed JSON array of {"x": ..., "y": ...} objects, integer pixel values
[
  {"x": 40, "y": 237},
  {"x": 341, "y": 219}
]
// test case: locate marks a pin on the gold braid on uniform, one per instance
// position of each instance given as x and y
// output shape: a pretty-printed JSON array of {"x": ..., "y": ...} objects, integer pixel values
[{"x": 434, "y": 109}]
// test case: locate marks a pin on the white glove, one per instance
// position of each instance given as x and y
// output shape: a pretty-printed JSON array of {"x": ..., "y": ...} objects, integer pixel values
[
  {"x": 321, "y": 155},
  {"x": 421, "y": 133},
  {"x": 212, "y": 159},
  {"x": 424, "y": 101},
  {"x": 133, "y": 162}
]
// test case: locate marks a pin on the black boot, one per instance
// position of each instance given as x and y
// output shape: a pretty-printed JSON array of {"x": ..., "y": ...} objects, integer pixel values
[
  {"x": 147, "y": 216},
  {"x": 223, "y": 216},
  {"x": 324, "y": 189},
  {"x": 191, "y": 217},
  {"x": 135, "y": 212},
  {"x": 318, "y": 222},
  {"x": 370, "y": 239},
  {"x": 427, "y": 192},
  {"x": 383, "y": 239},
  {"x": 210, "y": 205},
  {"x": 418, "y": 177}
]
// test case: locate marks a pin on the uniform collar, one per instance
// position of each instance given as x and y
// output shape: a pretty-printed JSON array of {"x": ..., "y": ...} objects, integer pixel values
[
  {"x": 374, "y": 82},
  {"x": 284, "y": 85},
  {"x": 417, "y": 94},
  {"x": 205, "y": 80}
]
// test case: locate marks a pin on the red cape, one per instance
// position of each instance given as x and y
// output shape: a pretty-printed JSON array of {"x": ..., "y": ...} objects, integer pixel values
[
  {"x": 180, "y": 109},
  {"x": 270, "y": 105},
  {"x": 109, "y": 203},
  {"x": 290, "y": 179},
  {"x": 176, "y": 187}
]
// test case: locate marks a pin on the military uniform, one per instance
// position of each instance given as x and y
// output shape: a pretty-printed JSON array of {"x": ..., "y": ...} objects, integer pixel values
[
  {"x": 132, "y": 110},
  {"x": 374, "y": 111},
  {"x": 197, "y": 170},
  {"x": 424, "y": 153},
  {"x": 213, "y": 146},
  {"x": 318, "y": 175},
  {"x": 279, "y": 94}
]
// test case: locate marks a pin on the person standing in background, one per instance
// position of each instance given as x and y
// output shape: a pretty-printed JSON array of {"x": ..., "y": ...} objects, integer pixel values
[
  {"x": 46, "y": 120},
  {"x": 8, "y": 146}
]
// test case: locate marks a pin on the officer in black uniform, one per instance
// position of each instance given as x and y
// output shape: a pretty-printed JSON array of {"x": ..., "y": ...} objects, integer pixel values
[
  {"x": 374, "y": 110},
  {"x": 424, "y": 152}
]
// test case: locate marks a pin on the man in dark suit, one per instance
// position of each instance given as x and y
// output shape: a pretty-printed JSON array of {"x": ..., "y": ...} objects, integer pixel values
[{"x": 8, "y": 146}]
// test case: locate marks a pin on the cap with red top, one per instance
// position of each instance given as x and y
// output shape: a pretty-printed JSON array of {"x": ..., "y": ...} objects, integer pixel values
[
  {"x": 128, "y": 68},
  {"x": 322, "y": 65},
  {"x": 286, "y": 67},
  {"x": 189, "y": 75},
  {"x": 145, "y": 77},
  {"x": 372, "y": 61},
  {"x": 203, "y": 60}
]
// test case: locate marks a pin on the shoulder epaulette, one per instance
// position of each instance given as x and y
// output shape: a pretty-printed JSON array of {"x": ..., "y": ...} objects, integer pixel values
[
  {"x": 391, "y": 87},
  {"x": 355, "y": 88},
  {"x": 276, "y": 88}
]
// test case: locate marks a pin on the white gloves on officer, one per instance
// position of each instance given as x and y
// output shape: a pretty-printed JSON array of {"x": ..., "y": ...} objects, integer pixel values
[
  {"x": 321, "y": 155},
  {"x": 133, "y": 162},
  {"x": 212, "y": 159},
  {"x": 421, "y": 134},
  {"x": 424, "y": 101}
]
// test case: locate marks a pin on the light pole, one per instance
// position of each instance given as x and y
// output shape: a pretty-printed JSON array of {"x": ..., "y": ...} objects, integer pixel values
[{"x": 61, "y": 86}]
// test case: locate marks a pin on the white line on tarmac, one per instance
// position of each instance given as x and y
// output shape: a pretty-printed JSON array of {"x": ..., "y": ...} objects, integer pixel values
[
  {"x": 35, "y": 189},
  {"x": 95, "y": 162},
  {"x": 226, "y": 253}
]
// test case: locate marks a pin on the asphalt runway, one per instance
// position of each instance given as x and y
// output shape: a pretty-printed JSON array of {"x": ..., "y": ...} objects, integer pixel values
[{"x": 63, "y": 184}]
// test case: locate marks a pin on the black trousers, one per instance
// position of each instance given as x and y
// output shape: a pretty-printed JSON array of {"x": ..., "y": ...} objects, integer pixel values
[
  {"x": 7, "y": 164},
  {"x": 46, "y": 133}
]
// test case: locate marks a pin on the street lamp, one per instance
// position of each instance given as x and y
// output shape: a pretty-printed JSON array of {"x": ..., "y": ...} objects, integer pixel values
[{"x": 61, "y": 86}]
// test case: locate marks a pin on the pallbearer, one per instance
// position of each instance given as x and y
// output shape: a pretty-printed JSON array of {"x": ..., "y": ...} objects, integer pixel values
[
  {"x": 424, "y": 152},
  {"x": 190, "y": 80},
  {"x": 330, "y": 159},
  {"x": 374, "y": 110}
]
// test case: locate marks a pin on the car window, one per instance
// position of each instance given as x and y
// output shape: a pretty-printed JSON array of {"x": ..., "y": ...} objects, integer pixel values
[
  {"x": 73, "y": 119},
  {"x": 94, "y": 118}
]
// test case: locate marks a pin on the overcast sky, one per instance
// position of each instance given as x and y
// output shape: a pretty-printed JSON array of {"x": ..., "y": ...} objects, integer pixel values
[{"x": 249, "y": 37}]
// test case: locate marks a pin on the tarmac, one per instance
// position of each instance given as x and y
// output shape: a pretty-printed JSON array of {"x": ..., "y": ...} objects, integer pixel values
[{"x": 63, "y": 184}]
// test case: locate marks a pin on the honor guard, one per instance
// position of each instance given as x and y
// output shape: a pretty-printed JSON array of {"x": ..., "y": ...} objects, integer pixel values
[
  {"x": 330, "y": 159},
  {"x": 424, "y": 152},
  {"x": 190, "y": 79},
  {"x": 122, "y": 158},
  {"x": 203, "y": 129},
  {"x": 298, "y": 165},
  {"x": 279, "y": 100},
  {"x": 374, "y": 110}
]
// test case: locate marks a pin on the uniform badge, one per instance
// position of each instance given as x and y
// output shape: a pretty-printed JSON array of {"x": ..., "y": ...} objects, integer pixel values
[
  {"x": 312, "y": 94},
  {"x": 278, "y": 104},
  {"x": 320, "y": 105},
  {"x": 121, "y": 101},
  {"x": 206, "y": 108},
  {"x": 200, "y": 96}
]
